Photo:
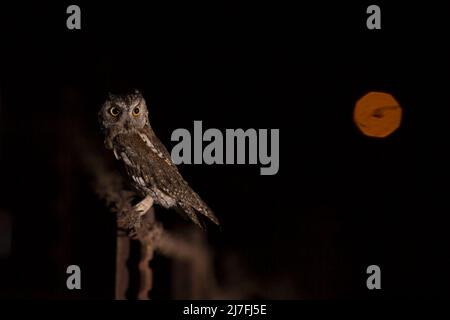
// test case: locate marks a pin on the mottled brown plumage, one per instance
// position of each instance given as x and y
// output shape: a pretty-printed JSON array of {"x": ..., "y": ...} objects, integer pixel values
[{"x": 147, "y": 161}]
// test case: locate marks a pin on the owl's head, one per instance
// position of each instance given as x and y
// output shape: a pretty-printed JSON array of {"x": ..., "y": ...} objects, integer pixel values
[{"x": 123, "y": 113}]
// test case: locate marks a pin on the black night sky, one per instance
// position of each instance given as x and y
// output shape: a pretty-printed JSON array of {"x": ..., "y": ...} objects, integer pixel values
[{"x": 340, "y": 202}]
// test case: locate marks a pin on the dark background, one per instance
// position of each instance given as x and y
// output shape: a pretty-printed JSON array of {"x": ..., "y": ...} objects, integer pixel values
[{"x": 341, "y": 201}]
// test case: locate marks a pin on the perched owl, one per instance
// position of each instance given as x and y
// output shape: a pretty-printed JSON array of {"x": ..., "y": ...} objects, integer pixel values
[{"x": 124, "y": 120}]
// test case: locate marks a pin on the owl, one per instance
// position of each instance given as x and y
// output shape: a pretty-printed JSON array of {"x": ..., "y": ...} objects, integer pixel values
[{"x": 125, "y": 122}]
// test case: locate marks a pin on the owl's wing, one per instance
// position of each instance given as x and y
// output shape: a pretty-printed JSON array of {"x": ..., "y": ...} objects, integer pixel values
[
  {"x": 148, "y": 162},
  {"x": 157, "y": 145}
]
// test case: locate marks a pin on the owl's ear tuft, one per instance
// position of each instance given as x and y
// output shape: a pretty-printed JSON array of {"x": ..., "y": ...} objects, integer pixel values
[{"x": 111, "y": 96}]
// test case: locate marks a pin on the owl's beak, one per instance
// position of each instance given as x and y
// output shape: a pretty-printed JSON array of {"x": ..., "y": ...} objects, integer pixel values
[{"x": 127, "y": 125}]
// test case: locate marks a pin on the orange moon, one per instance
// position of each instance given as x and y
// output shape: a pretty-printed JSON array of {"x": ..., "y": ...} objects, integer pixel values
[{"x": 377, "y": 114}]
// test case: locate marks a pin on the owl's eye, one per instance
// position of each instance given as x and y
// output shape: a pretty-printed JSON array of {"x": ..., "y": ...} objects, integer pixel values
[
  {"x": 114, "y": 111},
  {"x": 136, "y": 111}
]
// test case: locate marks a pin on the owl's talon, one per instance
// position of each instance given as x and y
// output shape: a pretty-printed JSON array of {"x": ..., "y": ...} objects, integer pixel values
[
  {"x": 133, "y": 234},
  {"x": 129, "y": 220}
]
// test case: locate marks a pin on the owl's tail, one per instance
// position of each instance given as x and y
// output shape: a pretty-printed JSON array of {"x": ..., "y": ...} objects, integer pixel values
[{"x": 192, "y": 213}]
